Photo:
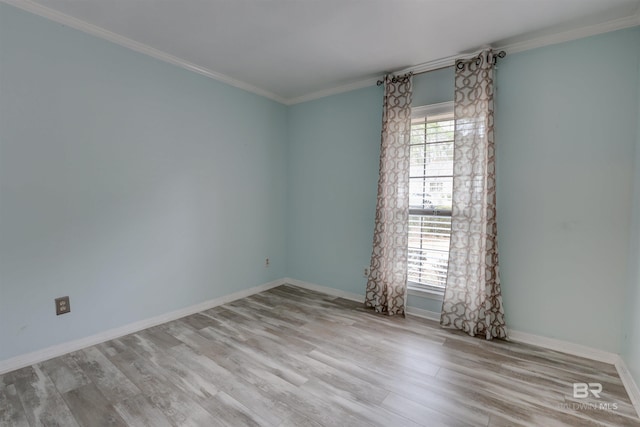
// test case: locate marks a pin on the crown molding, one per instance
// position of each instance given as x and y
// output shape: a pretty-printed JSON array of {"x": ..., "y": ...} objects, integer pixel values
[
  {"x": 438, "y": 64},
  {"x": 533, "y": 43},
  {"x": 94, "y": 30},
  {"x": 575, "y": 34}
]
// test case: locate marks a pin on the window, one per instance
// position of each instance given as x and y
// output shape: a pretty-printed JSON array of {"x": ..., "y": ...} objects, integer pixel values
[
  {"x": 436, "y": 187},
  {"x": 430, "y": 193}
]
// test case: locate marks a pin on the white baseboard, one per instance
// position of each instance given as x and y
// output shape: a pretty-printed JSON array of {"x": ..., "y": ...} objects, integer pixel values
[
  {"x": 629, "y": 383},
  {"x": 411, "y": 311},
  {"x": 564, "y": 347},
  {"x": 516, "y": 336},
  {"x": 38, "y": 356},
  {"x": 325, "y": 290}
]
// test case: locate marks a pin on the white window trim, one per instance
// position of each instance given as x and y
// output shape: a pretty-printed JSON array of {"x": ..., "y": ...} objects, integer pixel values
[
  {"x": 418, "y": 112},
  {"x": 432, "y": 109},
  {"x": 434, "y": 294}
]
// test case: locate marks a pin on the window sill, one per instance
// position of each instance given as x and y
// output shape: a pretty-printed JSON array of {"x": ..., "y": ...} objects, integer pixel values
[{"x": 426, "y": 293}]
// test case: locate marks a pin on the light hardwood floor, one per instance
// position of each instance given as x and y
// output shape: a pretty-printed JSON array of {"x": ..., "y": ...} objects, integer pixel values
[{"x": 294, "y": 357}]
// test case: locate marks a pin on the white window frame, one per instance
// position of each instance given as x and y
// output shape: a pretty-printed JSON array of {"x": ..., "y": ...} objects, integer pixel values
[{"x": 431, "y": 110}]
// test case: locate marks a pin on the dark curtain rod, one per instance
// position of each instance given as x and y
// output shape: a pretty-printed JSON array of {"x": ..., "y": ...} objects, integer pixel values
[{"x": 500, "y": 54}]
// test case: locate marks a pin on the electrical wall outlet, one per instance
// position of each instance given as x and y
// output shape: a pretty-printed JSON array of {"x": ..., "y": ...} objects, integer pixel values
[
  {"x": 62, "y": 306},
  {"x": 365, "y": 273},
  {"x": 266, "y": 262}
]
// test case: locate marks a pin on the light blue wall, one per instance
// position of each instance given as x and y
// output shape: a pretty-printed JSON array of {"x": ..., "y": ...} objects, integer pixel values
[
  {"x": 631, "y": 325},
  {"x": 433, "y": 87},
  {"x": 138, "y": 188},
  {"x": 565, "y": 132},
  {"x": 133, "y": 186},
  {"x": 334, "y": 149}
]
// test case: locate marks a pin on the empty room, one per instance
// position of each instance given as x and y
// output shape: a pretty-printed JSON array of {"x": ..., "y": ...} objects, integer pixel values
[{"x": 320, "y": 213}]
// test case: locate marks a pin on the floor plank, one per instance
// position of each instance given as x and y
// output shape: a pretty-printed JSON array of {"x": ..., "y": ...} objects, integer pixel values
[
  {"x": 90, "y": 407},
  {"x": 295, "y": 357},
  {"x": 11, "y": 410},
  {"x": 40, "y": 399}
]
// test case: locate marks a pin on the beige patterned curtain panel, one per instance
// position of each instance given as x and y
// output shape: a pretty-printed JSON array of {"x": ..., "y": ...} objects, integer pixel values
[
  {"x": 473, "y": 300},
  {"x": 387, "y": 282}
]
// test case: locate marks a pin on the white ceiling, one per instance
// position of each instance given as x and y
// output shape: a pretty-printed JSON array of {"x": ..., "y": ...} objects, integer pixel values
[{"x": 289, "y": 49}]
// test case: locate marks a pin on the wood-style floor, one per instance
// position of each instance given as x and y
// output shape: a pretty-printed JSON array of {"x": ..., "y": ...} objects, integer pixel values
[{"x": 293, "y": 357}]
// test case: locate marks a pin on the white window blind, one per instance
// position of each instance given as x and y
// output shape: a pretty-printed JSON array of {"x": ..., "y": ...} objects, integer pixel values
[{"x": 430, "y": 193}]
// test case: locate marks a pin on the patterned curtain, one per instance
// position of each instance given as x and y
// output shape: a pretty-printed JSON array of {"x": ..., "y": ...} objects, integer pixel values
[
  {"x": 472, "y": 299},
  {"x": 387, "y": 282}
]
